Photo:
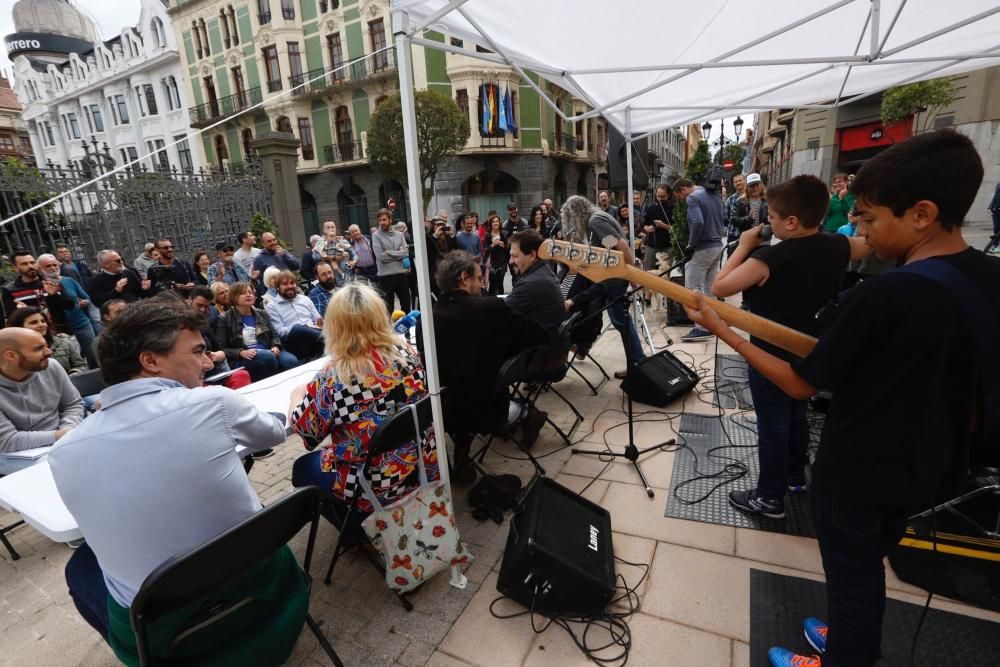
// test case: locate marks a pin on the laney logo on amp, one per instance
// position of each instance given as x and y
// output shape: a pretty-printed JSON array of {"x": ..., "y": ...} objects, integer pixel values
[{"x": 594, "y": 532}]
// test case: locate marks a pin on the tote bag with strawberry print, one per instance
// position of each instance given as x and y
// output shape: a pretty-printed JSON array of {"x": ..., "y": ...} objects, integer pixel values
[{"x": 417, "y": 534}]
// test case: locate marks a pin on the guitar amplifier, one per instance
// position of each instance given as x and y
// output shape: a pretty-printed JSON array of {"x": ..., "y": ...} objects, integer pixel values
[
  {"x": 676, "y": 315},
  {"x": 559, "y": 558},
  {"x": 659, "y": 380}
]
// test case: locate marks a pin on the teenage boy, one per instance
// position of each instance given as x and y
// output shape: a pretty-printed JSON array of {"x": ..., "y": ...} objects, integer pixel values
[
  {"x": 788, "y": 283},
  {"x": 903, "y": 362}
]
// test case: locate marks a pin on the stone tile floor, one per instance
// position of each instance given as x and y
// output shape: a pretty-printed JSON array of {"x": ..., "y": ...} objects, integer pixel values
[{"x": 694, "y": 602}]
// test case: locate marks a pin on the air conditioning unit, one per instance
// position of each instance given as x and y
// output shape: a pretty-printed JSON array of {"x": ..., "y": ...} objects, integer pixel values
[{"x": 364, "y": 145}]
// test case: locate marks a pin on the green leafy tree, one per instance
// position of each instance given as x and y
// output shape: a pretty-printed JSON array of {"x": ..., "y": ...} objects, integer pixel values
[
  {"x": 442, "y": 130},
  {"x": 260, "y": 223},
  {"x": 699, "y": 163},
  {"x": 927, "y": 97},
  {"x": 679, "y": 231},
  {"x": 732, "y": 152}
]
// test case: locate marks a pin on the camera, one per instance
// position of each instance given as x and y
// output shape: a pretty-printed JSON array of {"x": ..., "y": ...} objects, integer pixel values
[
  {"x": 162, "y": 277},
  {"x": 765, "y": 233}
]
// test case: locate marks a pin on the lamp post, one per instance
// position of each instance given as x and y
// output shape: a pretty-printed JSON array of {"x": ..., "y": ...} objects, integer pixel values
[{"x": 723, "y": 140}]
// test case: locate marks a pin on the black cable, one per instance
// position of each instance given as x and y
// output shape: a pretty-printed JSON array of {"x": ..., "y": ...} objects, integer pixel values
[
  {"x": 930, "y": 591},
  {"x": 614, "y": 623}
]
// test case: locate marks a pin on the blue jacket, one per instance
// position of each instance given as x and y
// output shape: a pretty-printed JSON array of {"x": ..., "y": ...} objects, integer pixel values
[{"x": 76, "y": 318}]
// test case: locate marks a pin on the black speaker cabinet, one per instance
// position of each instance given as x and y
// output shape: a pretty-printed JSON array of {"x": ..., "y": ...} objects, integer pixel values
[
  {"x": 659, "y": 380},
  {"x": 676, "y": 315},
  {"x": 559, "y": 558}
]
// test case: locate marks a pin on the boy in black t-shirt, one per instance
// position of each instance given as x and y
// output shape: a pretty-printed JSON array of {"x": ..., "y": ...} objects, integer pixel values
[
  {"x": 903, "y": 363},
  {"x": 787, "y": 283}
]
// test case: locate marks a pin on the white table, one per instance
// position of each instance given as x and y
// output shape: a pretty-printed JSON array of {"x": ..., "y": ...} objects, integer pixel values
[{"x": 32, "y": 492}]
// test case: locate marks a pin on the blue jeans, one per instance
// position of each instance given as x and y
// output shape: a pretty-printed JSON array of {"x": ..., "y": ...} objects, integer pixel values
[
  {"x": 88, "y": 589},
  {"x": 304, "y": 342},
  {"x": 782, "y": 436},
  {"x": 853, "y": 540},
  {"x": 85, "y": 336},
  {"x": 307, "y": 471},
  {"x": 620, "y": 320},
  {"x": 265, "y": 364},
  {"x": 11, "y": 464}
]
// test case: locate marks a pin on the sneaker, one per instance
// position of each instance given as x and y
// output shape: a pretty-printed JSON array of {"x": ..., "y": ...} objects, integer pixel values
[
  {"x": 751, "y": 503},
  {"x": 815, "y": 631},
  {"x": 782, "y": 657},
  {"x": 797, "y": 484},
  {"x": 696, "y": 333}
]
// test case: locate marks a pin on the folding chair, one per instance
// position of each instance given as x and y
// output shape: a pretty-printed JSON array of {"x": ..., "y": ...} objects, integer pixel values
[
  {"x": 549, "y": 366},
  {"x": 574, "y": 359},
  {"x": 89, "y": 382},
  {"x": 189, "y": 576},
  {"x": 391, "y": 434}
]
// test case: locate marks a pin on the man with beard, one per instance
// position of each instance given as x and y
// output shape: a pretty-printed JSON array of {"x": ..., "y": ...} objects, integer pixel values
[
  {"x": 390, "y": 252},
  {"x": 115, "y": 281},
  {"x": 226, "y": 269},
  {"x": 328, "y": 278},
  {"x": 170, "y": 272},
  {"x": 74, "y": 321},
  {"x": 28, "y": 289},
  {"x": 38, "y": 403},
  {"x": 296, "y": 319},
  {"x": 592, "y": 225},
  {"x": 76, "y": 269}
]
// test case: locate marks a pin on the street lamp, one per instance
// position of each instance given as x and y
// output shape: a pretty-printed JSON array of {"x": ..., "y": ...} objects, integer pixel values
[
  {"x": 738, "y": 126},
  {"x": 723, "y": 140},
  {"x": 707, "y": 130}
]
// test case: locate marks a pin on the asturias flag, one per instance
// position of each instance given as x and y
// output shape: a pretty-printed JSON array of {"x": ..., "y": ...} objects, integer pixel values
[{"x": 510, "y": 111}]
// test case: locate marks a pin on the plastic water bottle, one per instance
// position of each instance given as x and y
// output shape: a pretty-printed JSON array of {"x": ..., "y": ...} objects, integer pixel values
[{"x": 407, "y": 322}]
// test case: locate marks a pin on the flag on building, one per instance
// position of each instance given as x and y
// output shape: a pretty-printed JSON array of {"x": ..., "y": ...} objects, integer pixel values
[
  {"x": 511, "y": 125},
  {"x": 501, "y": 112},
  {"x": 484, "y": 100},
  {"x": 492, "y": 100}
]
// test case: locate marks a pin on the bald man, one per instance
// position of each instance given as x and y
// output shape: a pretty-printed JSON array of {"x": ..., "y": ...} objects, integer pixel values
[{"x": 38, "y": 403}]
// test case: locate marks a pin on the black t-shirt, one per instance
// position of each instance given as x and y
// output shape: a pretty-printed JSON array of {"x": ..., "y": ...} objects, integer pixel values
[
  {"x": 659, "y": 211},
  {"x": 805, "y": 273},
  {"x": 903, "y": 365},
  {"x": 601, "y": 226}
]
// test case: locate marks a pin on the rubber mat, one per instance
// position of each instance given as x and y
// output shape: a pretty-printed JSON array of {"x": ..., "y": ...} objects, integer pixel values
[
  {"x": 697, "y": 497},
  {"x": 779, "y": 603},
  {"x": 731, "y": 384}
]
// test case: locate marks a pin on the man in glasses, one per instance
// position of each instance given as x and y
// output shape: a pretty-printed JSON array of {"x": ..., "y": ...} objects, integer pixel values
[
  {"x": 170, "y": 272},
  {"x": 116, "y": 281}
]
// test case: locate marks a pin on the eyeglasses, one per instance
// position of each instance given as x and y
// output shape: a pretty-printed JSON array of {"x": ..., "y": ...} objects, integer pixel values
[{"x": 165, "y": 247}]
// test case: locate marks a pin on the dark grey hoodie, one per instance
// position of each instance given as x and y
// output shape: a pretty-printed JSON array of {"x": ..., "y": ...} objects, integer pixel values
[{"x": 32, "y": 410}]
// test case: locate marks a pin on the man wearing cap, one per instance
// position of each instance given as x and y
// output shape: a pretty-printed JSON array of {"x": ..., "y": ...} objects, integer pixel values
[
  {"x": 749, "y": 210},
  {"x": 226, "y": 269},
  {"x": 514, "y": 223}
]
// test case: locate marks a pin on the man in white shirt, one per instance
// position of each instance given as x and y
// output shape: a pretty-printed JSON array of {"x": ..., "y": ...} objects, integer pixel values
[
  {"x": 296, "y": 319},
  {"x": 155, "y": 472},
  {"x": 247, "y": 252}
]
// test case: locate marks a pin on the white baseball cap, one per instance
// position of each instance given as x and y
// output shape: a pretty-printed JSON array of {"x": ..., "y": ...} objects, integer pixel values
[{"x": 753, "y": 178}]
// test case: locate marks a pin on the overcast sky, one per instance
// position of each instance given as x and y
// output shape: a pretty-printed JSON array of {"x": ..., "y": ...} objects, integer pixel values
[{"x": 109, "y": 15}]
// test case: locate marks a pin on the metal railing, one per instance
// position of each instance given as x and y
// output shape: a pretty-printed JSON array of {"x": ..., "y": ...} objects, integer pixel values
[
  {"x": 288, "y": 13},
  {"x": 322, "y": 79},
  {"x": 274, "y": 86},
  {"x": 203, "y": 114},
  {"x": 563, "y": 143},
  {"x": 346, "y": 152},
  {"x": 263, "y": 18}
]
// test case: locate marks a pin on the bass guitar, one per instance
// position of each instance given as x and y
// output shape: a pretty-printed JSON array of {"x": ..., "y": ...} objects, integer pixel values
[{"x": 598, "y": 264}]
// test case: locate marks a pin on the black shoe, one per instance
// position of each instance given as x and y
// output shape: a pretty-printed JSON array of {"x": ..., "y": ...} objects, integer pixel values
[
  {"x": 532, "y": 426},
  {"x": 621, "y": 375},
  {"x": 751, "y": 503},
  {"x": 263, "y": 454}
]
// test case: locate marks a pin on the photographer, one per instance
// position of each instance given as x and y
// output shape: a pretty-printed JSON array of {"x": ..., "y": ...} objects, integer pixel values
[
  {"x": 170, "y": 272},
  {"x": 440, "y": 241},
  {"x": 29, "y": 289}
]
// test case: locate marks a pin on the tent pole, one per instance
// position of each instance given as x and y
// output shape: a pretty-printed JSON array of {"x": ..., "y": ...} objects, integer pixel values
[
  {"x": 428, "y": 22},
  {"x": 629, "y": 175},
  {"x": 892, "y": 24},
  {"x": 400, "y": 21},
  {"x": 873, "y": 17},
  {"x": 488, "y": 57},
  {"x": 943, "y": 31}
]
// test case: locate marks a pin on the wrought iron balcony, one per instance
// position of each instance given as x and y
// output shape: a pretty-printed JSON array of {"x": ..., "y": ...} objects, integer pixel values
[
  {"x": 288, "y": 13},
  {"x": 563, "y": 143},
  {"x": 320, "y": 80},
  {"x": 208, "y": 113},
  {"x": 263, "y": 18},
  {"x": 346, "y": 152},
  {"x": 274, "y": 86}
]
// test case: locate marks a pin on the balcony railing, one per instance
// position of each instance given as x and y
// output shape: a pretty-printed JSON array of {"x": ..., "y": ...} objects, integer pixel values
[
  {"x": 288, "y": 13},
  {"x": 320, "y": 80},
  {"x": 346, "y": 152},
  {"x": 274, "y": 86},
  {"x": 563, "y": 143},
  {"x": 263, "y": 18},
  {"x": 204, "y": 114}
]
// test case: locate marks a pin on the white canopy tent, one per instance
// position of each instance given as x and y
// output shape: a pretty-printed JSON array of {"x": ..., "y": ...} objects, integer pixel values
[{"x": 715, "y": 58}]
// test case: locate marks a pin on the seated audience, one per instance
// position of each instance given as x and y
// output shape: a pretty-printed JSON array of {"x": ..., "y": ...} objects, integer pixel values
[
  {"x": 226, "y": 269},
  {"x": 273, "y": 255},
  {"x": 38, "y": 403},
  {"x": 115, "y": 281},
  {"x": 150, "y": 257},
  {"x": 171, "y": 272},
  {"x": 366, "y": 359},
  {"x": 29, "y": 289},
  {"x": 201, "y": 264},
  {"x": 109, "y": 311},
  {"x": 475, "y": 335},
  {"x": 201, "y": 301},
  {"x": 64, "y": 351},
  {"x": 141, "y": 498},
  {"x": 328, "y": 279},
  {"x": 271, "y": 289},
  {"x": 536, "y": 293},
  {"x": 296, "y": 319},
  {"x": 248, "y": 337},
  {"x": 73, "y": 321}
]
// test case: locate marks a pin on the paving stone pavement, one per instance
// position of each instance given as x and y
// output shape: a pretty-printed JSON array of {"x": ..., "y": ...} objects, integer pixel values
[{"x": 694, "y": 601}]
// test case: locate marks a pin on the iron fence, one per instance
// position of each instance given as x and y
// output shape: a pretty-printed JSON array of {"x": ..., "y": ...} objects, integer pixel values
[{"x": 127, "y": 209}]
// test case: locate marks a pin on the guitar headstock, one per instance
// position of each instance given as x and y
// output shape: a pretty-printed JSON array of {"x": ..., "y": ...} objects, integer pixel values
[{"x": 595, "y": 262}]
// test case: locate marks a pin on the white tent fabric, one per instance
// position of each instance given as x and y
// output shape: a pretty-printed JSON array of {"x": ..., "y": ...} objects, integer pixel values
[{"x": 674, "y": 63}]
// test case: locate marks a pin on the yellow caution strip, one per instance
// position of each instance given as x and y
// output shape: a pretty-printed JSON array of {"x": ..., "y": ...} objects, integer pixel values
[{"x": 950, "y": 549}]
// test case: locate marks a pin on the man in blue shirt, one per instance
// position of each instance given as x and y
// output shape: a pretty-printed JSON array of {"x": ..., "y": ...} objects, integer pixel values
[
  {"x": 468, "y": 239},
  {"x": 296, "y": 319},
  {"x": 226, "y": 269},
  {"x": 704, "y": 246},
  {"x": 75, "y": 320},
  {"x": 274, "y": 255}
]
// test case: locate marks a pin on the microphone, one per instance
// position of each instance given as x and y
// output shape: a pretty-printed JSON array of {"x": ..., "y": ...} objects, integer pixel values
[
  {"x": 405, "y": 323},
  {"x": 765, "y": 235},
  {"x": 396, "y": 315}
]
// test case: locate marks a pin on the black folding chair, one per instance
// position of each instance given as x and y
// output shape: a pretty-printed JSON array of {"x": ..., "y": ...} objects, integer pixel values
[
  {"x": 88, "y": 382},
  {"x": 549, "y": 366},
  {"x": 189, "y": 576},
  {"x": 391, "y": 434}
]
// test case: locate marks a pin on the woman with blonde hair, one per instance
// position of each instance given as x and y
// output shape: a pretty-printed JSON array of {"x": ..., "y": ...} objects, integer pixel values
[{"x": 371, "y": 374}]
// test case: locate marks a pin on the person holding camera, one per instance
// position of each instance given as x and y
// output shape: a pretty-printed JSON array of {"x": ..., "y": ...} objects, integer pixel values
[
  {"x": 170, "y": 272},
  {"x": 30, "y": 289}
]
